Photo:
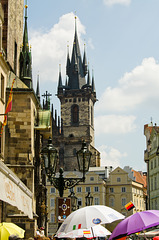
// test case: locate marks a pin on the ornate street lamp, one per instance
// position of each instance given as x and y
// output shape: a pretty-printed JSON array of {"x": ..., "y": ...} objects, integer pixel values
[
  {"x": 83, "y": 158},
  {"x": 50, "y": 161},
  {"x": 73, "y": 200},
  {"x": 50, "y": 158},
  {"x": 89, "y": 199}
]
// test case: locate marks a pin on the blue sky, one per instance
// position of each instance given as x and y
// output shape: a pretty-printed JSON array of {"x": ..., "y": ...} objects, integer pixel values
[{"x": 122, "y": 46}]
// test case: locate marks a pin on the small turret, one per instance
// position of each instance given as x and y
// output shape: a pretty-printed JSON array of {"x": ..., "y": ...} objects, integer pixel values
[
  {"x": 38, "y": 89},
  {"x": 25, "y": 56},
  {"x": 93, "y": 84},
  {"x": 88, "y": 79},
  {"x": 68, "y": 65},
  {"x": 60, "y": 87},
  {"x": 84, "y": 62}
]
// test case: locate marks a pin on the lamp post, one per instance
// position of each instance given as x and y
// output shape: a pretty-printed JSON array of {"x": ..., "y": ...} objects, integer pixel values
[
  {"x": 50, "y": 160},
  {"x": 89, "y": 199}
]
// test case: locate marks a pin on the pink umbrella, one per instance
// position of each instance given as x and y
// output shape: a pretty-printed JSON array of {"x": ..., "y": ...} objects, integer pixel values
[{"x": 136, "y": 223}]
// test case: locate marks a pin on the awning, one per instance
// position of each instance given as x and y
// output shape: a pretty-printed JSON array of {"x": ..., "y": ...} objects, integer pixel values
[{"x": 14, "y": 191}]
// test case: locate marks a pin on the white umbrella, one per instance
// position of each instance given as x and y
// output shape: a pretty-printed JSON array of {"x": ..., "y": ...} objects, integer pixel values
[
  {"x": 96, "y": 231},
  {"x": 88, "y": 217}
]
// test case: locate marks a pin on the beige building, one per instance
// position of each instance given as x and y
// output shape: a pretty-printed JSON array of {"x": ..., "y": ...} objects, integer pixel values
[
  {"x": 123, "y": 186},
  {"x": 93, "y": 184}
]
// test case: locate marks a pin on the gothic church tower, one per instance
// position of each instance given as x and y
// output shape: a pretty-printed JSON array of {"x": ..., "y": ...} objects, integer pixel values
[{"x": 77, "y": 98}]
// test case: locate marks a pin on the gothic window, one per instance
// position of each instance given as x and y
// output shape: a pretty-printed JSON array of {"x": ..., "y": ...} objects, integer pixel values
[{"x": 75, "y": 114}]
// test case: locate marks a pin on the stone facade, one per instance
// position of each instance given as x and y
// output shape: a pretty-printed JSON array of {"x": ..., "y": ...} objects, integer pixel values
[
  {"x": 13, "y": 31},
  {"x": 4, "y": 69},
  {"x": 20, "y": 147}
]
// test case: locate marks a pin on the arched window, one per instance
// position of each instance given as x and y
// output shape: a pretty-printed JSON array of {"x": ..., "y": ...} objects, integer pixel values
[{"x": 75, "y": 114}]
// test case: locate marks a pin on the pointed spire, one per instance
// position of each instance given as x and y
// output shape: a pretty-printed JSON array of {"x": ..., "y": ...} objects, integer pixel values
[
  {"x": 84, "y": 62},
  {"x": 38, "y": 89},
  {"x": 25, "y": 56},
  {"x": 93, "y": 84},
  {"x": 60, "y": 78},
  {"x": 88, "y": 79},
  {"x": 66, "y": 82},
  {"x": 60, "y": 87},
  {"x": 76, "y": 73},
  {"x": 68, "y": 62},
  {"x": 25, "y": 36}
]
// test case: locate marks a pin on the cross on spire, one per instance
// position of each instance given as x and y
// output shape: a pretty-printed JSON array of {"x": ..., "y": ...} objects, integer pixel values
[
  {"x": 46, "y": 105},
  {"x": 46, "y": 95}
]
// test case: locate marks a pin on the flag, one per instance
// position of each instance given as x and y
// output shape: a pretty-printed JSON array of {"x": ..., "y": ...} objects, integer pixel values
[
  {"x": 86, "y": 232},
  {"x": 8, "y": 108},
  {"x": 129, "y": 206},
  {"x": 79, "y": 226},
  {"x": 9, "y": 104}
]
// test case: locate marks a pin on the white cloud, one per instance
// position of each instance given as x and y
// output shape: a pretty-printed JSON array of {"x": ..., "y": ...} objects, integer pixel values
[
  {"x": 90, "y": 43},
  {"x": 114, "y": 124},
  {"x": 135, "y": 88},
  {"x": 49, "y": 49},
  {"x": 110, "y": 156},
  {"x": 113, "y": 2}
]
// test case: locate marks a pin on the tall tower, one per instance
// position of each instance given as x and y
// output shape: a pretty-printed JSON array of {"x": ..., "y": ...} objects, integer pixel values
[
  {"x": 25, "y": 56},
  {"x": 77, "y": 98}
]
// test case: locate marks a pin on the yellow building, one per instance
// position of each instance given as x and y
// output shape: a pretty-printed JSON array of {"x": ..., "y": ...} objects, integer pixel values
[
  {"x": 124, "y": 186},
  {"x": 94, "y": 185}
]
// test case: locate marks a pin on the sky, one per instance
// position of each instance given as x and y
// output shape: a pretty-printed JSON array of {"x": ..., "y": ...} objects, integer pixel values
[{"x": 122, "y": 47}]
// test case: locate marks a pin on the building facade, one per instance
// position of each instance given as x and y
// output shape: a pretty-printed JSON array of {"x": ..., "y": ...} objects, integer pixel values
[
  {"x": 122, "y": 186},
  {"x": 151, "y": 158},
  {"x": 94, "y": 185}
]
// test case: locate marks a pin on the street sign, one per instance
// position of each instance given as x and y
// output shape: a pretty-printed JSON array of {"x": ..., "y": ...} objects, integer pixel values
[{"x": 63, "y": 208}]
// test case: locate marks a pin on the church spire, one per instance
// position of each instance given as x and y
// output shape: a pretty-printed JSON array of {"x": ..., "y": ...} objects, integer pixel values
[
  {"x": 84, "y": 62},
  {"x": 60, "y": 87},
  {"x": 76, "y": 74},
  {"x": 25, "y": 56},
  {"x": 38, "y": 89},
  {"x": 93, "y": 84},
  {"x": 68, "y": 62}
]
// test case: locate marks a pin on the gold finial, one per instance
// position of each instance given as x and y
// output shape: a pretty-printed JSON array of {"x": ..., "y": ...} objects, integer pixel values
[
  {"x": 75, "y": 15},
  {"x": 26, "y": 6}
]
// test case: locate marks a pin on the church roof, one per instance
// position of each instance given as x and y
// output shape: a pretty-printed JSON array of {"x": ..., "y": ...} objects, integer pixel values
[{"x": 75, "y": 67}]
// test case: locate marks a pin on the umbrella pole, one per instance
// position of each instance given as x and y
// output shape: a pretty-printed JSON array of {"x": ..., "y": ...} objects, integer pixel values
[{"x": 92, "y": 232}]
